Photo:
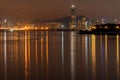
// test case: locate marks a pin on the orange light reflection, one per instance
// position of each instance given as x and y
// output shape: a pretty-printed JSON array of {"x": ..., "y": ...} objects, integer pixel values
[
  {"x": 93, "y": 56},
  {"x": 117, "y": 49}
]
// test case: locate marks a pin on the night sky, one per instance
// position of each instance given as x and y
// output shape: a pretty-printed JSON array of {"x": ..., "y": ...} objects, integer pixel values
[{"x": 28, "y": 10}]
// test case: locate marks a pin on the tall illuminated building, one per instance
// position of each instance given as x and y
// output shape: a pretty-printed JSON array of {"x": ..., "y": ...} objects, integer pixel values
[
  {"x": 73, "y": 17},
  {"x": 83, "y": 21}
]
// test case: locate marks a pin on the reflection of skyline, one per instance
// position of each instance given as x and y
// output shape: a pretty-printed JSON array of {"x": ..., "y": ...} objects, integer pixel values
[
  {"x": 106, "y": 55},
  {"x": 47, "y": 56},
  {"x": 88, "y": 56},
  {"x": 73, "y": 54},
  {"x": 93, "y": 39},
  {"x": 27, "y": 57},
  {"x": 5, "y": 57},
  {"x": 44, "y": 56},
  {"x": 36, "y": 57},
  {"x": 62, "y": 47},
  {"x": 100, "y": 59},
  {"x": 117, "y": 51}
]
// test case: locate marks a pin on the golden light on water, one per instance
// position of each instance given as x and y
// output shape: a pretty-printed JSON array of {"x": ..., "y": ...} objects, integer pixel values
[
  {"x": 27, "y": 57},
  {"x": 88, "y": 55},
  {"x": 106, "y": 53},
  {"x": 47, "y": 55},
  {"x": 117, "y": 49},
  {"x": 94, "y": 55}
]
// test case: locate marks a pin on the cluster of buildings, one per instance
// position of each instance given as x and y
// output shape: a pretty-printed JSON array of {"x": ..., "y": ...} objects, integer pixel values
[
  {"x": 78, "y": 22},
  {"x": 72, "y": 22},
  {"x": 6, "y": 24}
]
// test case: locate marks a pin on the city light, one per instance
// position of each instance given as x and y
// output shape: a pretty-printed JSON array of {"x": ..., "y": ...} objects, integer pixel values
[
  {"x": 73, "y": 6},
  {"x": 11, "y": 30},
  {"x": 117, "y": 27},
  {"x": 106, "y": 27},
  {"x": 93, "y": 27}
]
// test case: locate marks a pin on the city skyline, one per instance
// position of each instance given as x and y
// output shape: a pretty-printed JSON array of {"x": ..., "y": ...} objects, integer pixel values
[{"x": 46, "y": 10}]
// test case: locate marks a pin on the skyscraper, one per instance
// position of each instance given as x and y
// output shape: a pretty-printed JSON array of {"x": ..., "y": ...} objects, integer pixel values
[{"x": 73, "y": 17}]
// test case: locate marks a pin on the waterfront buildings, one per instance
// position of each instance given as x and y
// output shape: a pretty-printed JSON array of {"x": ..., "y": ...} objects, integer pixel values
[{"x": 71, "y": 22}]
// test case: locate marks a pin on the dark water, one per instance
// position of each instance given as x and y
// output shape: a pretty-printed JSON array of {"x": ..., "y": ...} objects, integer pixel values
[{"x": 58, "y": 56}]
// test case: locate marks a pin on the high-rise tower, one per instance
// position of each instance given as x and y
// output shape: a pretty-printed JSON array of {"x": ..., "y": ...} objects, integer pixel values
[
  {"x": 73, "y": 12},
  {"x": 73, "y": 17}
]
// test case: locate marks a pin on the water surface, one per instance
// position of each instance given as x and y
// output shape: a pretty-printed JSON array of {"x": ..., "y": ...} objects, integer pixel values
[{"x": 58, "y": 55}]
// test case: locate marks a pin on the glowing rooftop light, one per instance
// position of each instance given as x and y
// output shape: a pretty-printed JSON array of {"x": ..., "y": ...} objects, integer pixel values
[{"x": 73, "y": 6}]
